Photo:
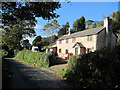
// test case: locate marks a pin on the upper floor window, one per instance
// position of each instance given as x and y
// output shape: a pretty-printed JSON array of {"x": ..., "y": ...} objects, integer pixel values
[
  {"x": 90, "y": 38},
  {"x": 67, "y": 40},
  {"x": 74, "y": 39},
  {"x": 60, "y": 42}
]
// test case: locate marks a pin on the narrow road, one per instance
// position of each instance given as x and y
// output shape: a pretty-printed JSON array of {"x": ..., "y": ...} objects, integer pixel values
[{"x": 26, "y": 76}]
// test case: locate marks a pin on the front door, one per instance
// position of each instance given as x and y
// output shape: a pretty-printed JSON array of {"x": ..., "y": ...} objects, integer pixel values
[
  {"x": 82, "y": 50},
  {"x": 76, "y": 51}
]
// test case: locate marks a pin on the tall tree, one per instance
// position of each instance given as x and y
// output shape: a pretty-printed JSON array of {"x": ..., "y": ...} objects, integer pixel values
[
  {"x": 52, "y": 27},
  {"x": 37, "y": 41},
  {"x": 62, "y": 31},
  {"x": 12, "y": 11},
  {"x": 25, "y": 43},
  {"x": 16, "y": 33},
  {"x": 88, "y": 23},
  {"x": 115, "y": 16},
  {"x": 79, "y": 24}
]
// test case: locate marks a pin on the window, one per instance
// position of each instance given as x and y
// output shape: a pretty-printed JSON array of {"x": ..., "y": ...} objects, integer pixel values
[
  {"x": 76, "y": 51},
  {"x": 59, "y": 50},
  {"x": 89, "y": 50},
  {"x": 74, "y": 39},
  {"x": 89, "y": 38},
  {"x": 67, "y": 41},
  {"x": 66, "y": 51},
  {"x": 60, "y": 42}
]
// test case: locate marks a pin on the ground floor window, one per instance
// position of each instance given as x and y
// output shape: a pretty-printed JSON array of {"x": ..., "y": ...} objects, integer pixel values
[
  {"x": 89, "y": 50},
  {"x": 76, "y": 51},
  {"x": 59, "y": 50},
  {"x": 66, "y": 51}
]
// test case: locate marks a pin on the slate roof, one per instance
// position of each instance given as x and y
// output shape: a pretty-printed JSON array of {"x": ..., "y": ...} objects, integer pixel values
[{"x": 83, "y": 33}]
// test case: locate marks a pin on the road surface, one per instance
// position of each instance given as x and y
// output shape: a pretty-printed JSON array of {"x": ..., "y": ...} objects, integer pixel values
[{"x": 26, "y": 76}]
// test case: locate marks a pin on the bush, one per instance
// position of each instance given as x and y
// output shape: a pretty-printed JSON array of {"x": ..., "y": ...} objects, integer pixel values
[
  {"x": 37, "y": 59},
  {"x": 99, "y": 69},
  {"x": 3, "y": 53}
]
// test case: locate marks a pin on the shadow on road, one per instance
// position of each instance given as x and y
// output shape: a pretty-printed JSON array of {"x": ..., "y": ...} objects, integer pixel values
[{"x": 58, "y": 61}]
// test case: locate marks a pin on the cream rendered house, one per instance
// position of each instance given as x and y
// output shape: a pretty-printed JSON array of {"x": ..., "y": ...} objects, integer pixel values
[{"x": 87, "y": 40}]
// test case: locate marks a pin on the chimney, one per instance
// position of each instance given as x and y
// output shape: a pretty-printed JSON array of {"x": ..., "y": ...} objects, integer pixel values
[
  {"x": 108, "y": 25},
  {"x": 69, "y": 31}
]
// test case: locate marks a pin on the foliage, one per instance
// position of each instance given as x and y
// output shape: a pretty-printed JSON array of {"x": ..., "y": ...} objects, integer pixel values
[
  {"x": 52, "y": 27},
  {"x": 100, "y": 23},
  {"x": 95, "y": 70},
  {"x": 37, "y": 59},
  {"x": 3, "y": 53},
  {"x": 89, "y": 22},
  {"x": 63, "y": 30},
  {"x": 19, "y": 20},
  {"x": 12, "y": 11},
  {"x": 25, "y": 43},
  {"x": 79, "y": 24},
  {"x": 115, "y": 16},
  {"x": 46, "y": 41}
]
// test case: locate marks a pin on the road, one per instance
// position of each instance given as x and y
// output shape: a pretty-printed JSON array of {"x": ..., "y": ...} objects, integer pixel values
[{"x": 26, "y": 76}]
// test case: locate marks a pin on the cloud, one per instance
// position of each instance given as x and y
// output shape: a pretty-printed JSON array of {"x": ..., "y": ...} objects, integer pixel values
[
  {"x": 30, "y": 39},
  {"x": 38, "y": 26}
]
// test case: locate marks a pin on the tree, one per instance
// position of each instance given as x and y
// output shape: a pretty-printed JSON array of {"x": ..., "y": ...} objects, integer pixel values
[
  {"x": 62, "y": 31},
  {"x": 51, "y": 28},
  {"x": 37, "y": 42},
  {"x": 15, "y": 33},
  {"x": 79, "y": 24},
  {"x": 89, "y": 22},
  {"x": 115, "y": 16},
  {"x": 12, "y": 11},
  {"x": 100, "y": 23},
  {"x": 53, "y": 39},
  {"x": 25, "y": 43}
]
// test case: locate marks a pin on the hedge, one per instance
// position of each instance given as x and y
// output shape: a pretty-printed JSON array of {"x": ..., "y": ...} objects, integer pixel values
[
  {"x": 38, "y": 59},
  {"x": 98, "y": 69}
]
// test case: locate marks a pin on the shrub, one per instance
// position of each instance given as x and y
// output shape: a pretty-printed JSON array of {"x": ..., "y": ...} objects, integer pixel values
[
  {"x": 99, "y": 69},
  {"x": 37, "y": 59},
  {"x": 3, "y": 53}
]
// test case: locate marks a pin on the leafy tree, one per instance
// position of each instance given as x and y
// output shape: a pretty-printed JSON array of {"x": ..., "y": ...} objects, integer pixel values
[
  {"x": 79, "y": 24},
  {"x": 53, "y": 38},
  {"x": 52, "y": 27},
  {"x": 63, "y": 30},
  {"x": 15, "y": 33},
  {"x": 25, "y": 43},
  {"x": 115, "y": 16},
  {"x": 12, "y": 11},
  {"x": 37, "y": 42},
  {"x": 89, "y": 22},
  {"x": 100, "y": 23}
]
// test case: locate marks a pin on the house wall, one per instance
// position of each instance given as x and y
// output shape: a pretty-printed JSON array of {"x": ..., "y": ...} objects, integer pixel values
[
  {"x": 84, "y": 40},
  {"x": 101, "y": 40},
  {"x": 113, "y": 40}
]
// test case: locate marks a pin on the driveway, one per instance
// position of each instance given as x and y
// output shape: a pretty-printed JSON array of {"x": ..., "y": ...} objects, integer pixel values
[{"x": 26, "y": 76}]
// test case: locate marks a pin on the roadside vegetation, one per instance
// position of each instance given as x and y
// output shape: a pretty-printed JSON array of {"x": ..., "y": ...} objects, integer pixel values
[
  {"x": 98, "y": 69},
  {"x": 38, "y": 59}
]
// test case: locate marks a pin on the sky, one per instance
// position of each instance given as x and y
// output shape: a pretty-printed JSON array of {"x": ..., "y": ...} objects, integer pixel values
[{"x": 69, "y": 12}]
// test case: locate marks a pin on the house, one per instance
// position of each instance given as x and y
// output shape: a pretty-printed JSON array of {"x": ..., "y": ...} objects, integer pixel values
[
  {"x": 52, "y": 48},
  {"x": 87, "y": 41}
]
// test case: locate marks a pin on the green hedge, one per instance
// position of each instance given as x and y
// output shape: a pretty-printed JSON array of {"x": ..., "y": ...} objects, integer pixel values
[
  {"x": 38, "y": 59},
  {"x": 100, "y": 69}
]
